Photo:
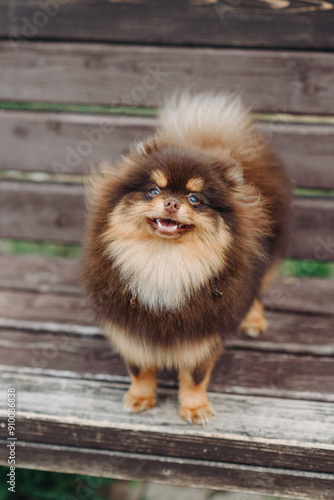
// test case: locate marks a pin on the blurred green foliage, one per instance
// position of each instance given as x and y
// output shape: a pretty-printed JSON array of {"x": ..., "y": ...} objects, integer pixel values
[
  {"x": 308, "y": 269},
  {"x": 41, "y": 485},
  {"x": 314, "y": 192},
  {"x": 77, "y": 108},
  {"x": 39, "y": 248}
]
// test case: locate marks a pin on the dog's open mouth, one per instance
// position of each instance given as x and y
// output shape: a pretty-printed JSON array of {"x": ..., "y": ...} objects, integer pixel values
[{"x": 169, "y": 226}]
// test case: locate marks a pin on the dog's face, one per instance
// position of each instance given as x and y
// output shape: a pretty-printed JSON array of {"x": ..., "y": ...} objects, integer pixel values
[{"x": 173, "y": 195}]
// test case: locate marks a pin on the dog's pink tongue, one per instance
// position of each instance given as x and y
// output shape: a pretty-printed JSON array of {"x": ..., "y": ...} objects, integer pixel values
[{"x": 167, "y": 223}]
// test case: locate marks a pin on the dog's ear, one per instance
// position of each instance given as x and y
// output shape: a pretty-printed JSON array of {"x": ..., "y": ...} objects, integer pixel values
[
  {"x": 145, "y": 148},
  {"x": 234, "y": 173},
  {"x": 101, "y": 180}
]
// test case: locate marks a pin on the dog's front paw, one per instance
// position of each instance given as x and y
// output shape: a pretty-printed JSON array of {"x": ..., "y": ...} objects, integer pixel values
[
  {"x": 200, "y": 415},
  {"x": 137, "y": 404}
]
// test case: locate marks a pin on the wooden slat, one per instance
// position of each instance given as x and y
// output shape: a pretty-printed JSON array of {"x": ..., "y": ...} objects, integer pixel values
[
  {"x": 29, "y": 306},
  {"x": 52, "y": 212},
  {"x": 288, "y": 332},
  {"x": 303, "y": 295},
  {"x": 85, "y": 413},
  {"x": 292, "y": 333},
  {"x": 55, "y": 212},
  {"x": 105, "y": 136},
  {"x": 306, "y": 150},
  {"x": 238, "y": 371},
  {"x": 312, "y": 229},
  {"x": 60, "y": 299},
  {"x": 61, "y": 275},
  {"x": 37, "y": 273},
  {"x": 251, "y": 23},
  {"x": 179, "y": 472},
  {"x": 271, "y": 81}
]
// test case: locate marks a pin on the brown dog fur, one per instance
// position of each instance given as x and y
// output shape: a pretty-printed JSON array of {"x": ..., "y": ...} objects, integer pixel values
[{"x": 179, "y": 238}]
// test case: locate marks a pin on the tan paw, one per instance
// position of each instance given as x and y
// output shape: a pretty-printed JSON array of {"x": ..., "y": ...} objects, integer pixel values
[
  {"x": 254, "y": 330},
  {"x": 255, "y": 322},
  {"x": 137, "y": 404},
  {"x": 199, "y": 415}
]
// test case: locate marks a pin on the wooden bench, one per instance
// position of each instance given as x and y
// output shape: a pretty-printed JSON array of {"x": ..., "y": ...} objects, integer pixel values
[{"x": 274, "y": 428}]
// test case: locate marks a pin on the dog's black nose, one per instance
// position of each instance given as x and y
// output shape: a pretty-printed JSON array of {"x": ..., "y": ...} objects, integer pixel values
[{"x": 171, "y": 206}]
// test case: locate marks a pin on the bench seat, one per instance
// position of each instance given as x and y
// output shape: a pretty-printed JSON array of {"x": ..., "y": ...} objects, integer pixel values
[
  {"x": 273, "y": 431},
  {"x": 80, "y": 88}
]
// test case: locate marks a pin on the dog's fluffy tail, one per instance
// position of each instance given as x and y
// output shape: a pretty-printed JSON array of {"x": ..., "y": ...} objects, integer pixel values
[{"x": 206, "y": 121}]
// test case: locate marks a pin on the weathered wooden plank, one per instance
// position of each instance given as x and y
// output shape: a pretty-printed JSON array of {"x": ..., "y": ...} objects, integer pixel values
[
  {"x": 54, "y": 275},
  {"x": 293, "y": 333},
  {"x": 301, "y": 294},
  {"x": 250, "y": 23},
  {"x": 287, "y": 333},
  {"x": 271, "y": 81},
  {"x": 52, "y": 212},
  {"x": 276, "y": 375},
  {"x": 236, "y": 372},
  {"x": 30, "y": 306},
  {"x": 64, "y": 138},
  {"x": 306, "y": 150},
  {"x": 312, "y": 235},
  {"x": 90, "y": 414},
  {"x": 37, "y": 273},
  {"x": 170, "y": 470},
  {"x": 55, "y": 212}
]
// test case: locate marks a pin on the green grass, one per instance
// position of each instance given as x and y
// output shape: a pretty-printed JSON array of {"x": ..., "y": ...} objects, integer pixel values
[
  {"x": 308, "y": 268},
  {"x": 78, "y": 108},
  {"x": 40, "y": 485},
  {"x": 314, "y": 192},
  {"x": 39, "y": 248}
]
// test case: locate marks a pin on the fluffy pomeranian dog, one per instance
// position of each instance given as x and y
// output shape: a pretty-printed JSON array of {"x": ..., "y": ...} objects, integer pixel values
[{"x": 180, "y": 236}]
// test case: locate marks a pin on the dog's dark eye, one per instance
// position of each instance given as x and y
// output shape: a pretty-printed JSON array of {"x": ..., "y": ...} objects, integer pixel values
[
  {"x": 153, "y": 192},
  {"x": 194, "y": 200}
]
